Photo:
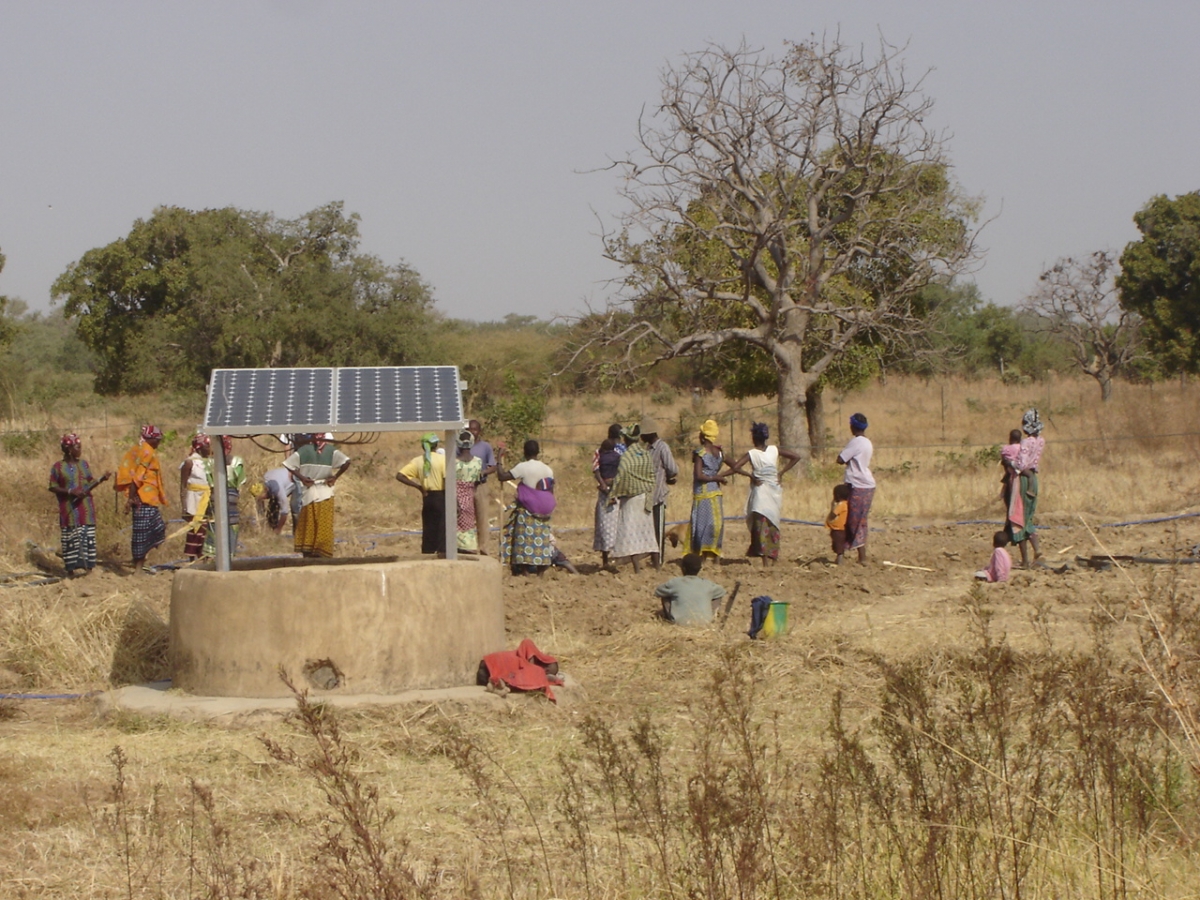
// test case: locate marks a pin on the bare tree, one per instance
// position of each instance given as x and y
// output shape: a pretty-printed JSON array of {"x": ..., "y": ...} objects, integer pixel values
[
  {"x": 1079, "y": 303},
  {"x": 789, "y": 206}
]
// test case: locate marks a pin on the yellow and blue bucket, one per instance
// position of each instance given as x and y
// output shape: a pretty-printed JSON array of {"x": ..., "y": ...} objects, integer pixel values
[
  {"x": 776, "y": 622},
  {"x": 768, "y": 617}
]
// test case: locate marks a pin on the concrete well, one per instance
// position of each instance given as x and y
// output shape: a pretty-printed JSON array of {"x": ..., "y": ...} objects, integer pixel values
[{"x": 371, "y": 627}]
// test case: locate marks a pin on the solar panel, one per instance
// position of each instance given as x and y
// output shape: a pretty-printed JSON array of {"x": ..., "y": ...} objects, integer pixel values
[{"x": 378, "y": 398}]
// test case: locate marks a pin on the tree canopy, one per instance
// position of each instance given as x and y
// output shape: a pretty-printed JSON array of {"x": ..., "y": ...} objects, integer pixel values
[
  {"x": 793, "y": 207},
  {"x": 7, "y": 327},
  {"x": 1076, "y": 299},
  {"x": 1160, "y": 278},
  {"x": 188, "y": 291}
]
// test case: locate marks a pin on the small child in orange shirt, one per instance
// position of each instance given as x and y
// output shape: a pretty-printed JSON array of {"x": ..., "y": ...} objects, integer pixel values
[{"x": 836, "y": 520}]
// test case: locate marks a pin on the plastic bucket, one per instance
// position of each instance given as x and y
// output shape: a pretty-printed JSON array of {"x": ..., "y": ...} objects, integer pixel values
[{"x": 776, "y": 623}]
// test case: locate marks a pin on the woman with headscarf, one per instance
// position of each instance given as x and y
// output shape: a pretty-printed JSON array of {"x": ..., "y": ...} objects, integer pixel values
[
  {"x": 468, "y": 470},
  {"x": 604, "y": 469},
  {"x": 856, "y": 457},
  {"x": 195, "y": 496},
  {"x": 632, "y": 493},
  {"x": 427, "y": 474},
  {"x": 1023, "y": 500},
  {"x": 764, "y": 505},
  {"x": 235, "y": 477},
  {"x": 72, "y": 483},
  {"x": 315, "y": 465},
  {"x": 139, "y": 477},
  {"x": 527, "y": 544},
  {"x": 706, "y": 528}
]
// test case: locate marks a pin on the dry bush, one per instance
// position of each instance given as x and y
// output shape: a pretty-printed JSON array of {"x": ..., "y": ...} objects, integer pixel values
[{"x": 55, "y": 639}]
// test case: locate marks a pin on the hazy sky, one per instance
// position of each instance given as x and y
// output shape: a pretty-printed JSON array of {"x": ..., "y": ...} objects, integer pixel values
[{"x": 459, "y": 130}]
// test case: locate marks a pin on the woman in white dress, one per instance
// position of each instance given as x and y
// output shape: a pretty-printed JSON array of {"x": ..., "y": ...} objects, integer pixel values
[{"x": 764, "y": 505}]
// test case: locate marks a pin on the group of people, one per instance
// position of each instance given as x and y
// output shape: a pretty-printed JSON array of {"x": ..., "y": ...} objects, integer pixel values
[
  {"x": 302, "y": 486},
  {"x": 138, "y": 478},
  {"x": 526, "y": 541},
  {"x": 634, "y": 470}
]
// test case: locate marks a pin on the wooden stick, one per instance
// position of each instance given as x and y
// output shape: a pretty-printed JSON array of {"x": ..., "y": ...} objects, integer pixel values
[
  {"x": 902, "y": 566},
  {"x": 1065, "y": 549},
  {"x": 729, "y": 604}
]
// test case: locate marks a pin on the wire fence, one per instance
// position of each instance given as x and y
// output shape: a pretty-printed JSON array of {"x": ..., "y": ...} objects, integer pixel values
[{"x": 128, "y": 427}]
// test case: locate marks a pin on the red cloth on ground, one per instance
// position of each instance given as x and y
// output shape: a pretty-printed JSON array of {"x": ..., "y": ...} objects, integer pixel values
[{"x": 520, "y": 668}]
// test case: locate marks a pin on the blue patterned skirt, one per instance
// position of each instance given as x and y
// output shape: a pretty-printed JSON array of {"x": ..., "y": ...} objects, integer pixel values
[{"x": 526, "y": 539}]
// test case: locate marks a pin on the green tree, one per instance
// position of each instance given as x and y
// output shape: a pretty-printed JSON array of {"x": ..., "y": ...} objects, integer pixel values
[
  {"x": 188, "y": 291},
  {"x": 1160, "y": 278},
  {"x": 8, "y": 328},
  {"x": 795, "y": 205}
]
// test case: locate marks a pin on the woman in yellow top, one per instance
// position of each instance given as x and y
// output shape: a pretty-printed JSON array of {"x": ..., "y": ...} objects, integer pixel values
[
  {"x": 140, "y": 479},
  {"x": 427, "y": 473}
]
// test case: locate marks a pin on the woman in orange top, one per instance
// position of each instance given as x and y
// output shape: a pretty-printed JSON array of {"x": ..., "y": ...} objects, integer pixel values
[{"x": 140, "y": 479}]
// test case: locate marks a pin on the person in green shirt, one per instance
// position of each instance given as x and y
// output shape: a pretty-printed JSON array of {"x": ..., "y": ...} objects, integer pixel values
[{"x": 689, "y": 599}]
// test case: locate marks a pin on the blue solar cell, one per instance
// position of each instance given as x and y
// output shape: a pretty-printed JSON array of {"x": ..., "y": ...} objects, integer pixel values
[{"x": 375, "y": 398}]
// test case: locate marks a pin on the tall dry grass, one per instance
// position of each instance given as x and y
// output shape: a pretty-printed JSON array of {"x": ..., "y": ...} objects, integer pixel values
[
  {"x": 934, "y": 445},
  {"x": 975, "y": 773}
]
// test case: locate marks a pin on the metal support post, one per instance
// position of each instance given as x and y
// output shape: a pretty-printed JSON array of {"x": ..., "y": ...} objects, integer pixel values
[
  {"x": 220, "y": 505},
  {"x": 450, "y": 443}
]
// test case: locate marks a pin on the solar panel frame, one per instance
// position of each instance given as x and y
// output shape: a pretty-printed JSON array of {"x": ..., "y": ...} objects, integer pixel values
[{"x": 352, "y": 398}]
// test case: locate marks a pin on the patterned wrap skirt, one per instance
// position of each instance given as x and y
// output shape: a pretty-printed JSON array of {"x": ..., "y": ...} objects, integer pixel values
[
  {"x": 314, "y": 529},
  {"x": 79, "y": 547},
  {"x": 526, "y": 539},
  {"x": 856, "y": 517},
  {"x": 707, "y": 526},
  {"x": 635, "y": 528},
  {"x": 1028, "y": 486},
  {"x": 468, "y": 537},
  {"x": 195, "y": 538},
  {"x": 149, "y": 530},
  {"x": 606, "y": 520},
  {"x": 764, "y": 537}
]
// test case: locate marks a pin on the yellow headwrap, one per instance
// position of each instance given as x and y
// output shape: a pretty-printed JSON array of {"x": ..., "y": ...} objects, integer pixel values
[{"x": 711, "y": 430}]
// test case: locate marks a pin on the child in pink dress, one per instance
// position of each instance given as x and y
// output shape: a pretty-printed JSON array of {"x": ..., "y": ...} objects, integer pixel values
[{"x": 1000, "y": 565}]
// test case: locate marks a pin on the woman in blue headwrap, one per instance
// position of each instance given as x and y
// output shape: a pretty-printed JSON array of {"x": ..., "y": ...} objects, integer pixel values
[
  {"x": 856, "y": 457},
  {"x": 427, "y": 474},
  {"x": 764, "y": 505}
]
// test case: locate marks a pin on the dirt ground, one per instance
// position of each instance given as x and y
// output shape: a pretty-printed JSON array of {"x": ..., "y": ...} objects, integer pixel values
[{"x": 872, "y": 608}]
